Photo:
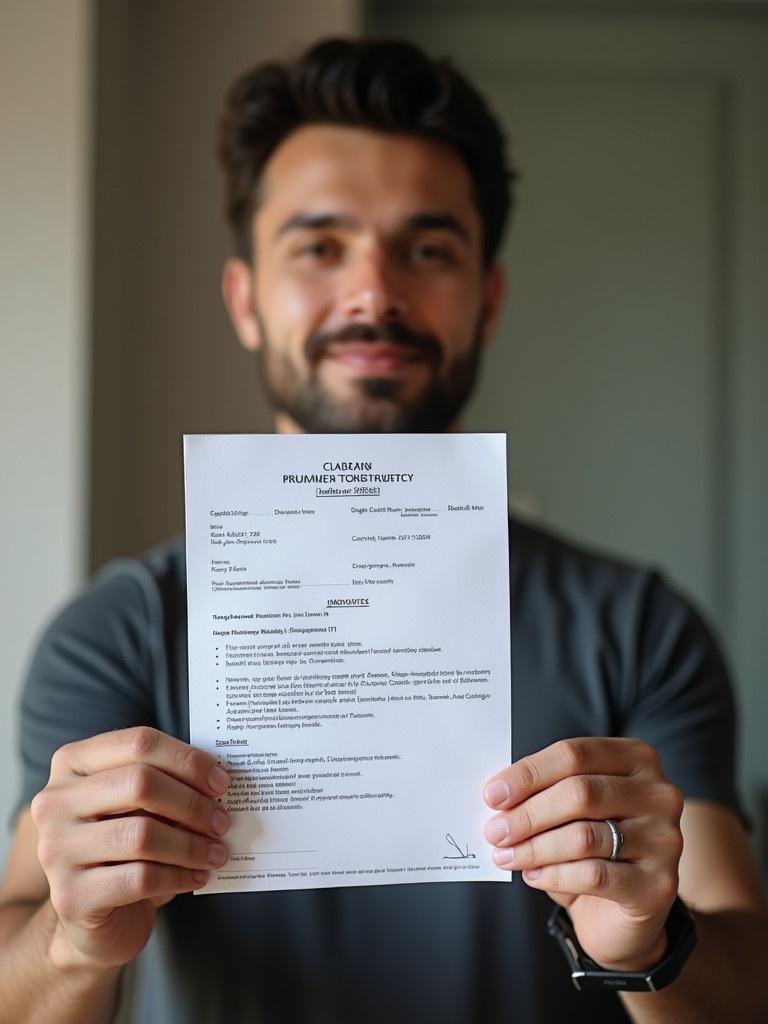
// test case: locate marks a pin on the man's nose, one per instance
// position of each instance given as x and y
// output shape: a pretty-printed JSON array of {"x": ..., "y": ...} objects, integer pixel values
[{"x": 372, "y": 291}]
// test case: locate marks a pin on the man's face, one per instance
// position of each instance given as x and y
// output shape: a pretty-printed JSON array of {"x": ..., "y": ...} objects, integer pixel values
[{"x": 367, "y": 298}]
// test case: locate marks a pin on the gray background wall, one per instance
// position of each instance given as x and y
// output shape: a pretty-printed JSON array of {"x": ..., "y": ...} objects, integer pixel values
[{"x": 45, "y": 142}]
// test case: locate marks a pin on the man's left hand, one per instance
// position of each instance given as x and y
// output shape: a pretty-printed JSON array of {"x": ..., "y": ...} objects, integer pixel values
[{"x": 551, "y": 825}]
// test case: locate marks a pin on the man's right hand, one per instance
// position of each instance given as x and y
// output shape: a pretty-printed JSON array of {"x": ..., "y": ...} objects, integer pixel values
[{"x": 128, "y": 820}]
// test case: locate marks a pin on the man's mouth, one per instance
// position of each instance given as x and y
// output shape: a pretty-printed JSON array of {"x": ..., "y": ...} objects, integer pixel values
[
  {"x": 373, "y": 358},
  {"x": 374, "y": 350}
]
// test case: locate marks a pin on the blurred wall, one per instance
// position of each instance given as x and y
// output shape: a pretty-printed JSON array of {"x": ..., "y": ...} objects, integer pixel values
[
  {"x": 166, "y": 361},
  {"x": 45, "y": 91}
]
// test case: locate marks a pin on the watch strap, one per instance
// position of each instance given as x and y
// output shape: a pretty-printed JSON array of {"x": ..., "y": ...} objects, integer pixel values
[{"x": 587, "y": 975}]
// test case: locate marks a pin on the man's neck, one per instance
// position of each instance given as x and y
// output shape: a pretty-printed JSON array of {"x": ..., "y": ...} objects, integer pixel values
[{"x": 285, "y": 424}]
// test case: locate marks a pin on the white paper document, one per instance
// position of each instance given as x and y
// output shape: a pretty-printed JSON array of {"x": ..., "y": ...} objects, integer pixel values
[{"x": 349, "y": 651}]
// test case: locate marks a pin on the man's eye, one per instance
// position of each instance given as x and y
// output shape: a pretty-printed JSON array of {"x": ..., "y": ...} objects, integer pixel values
[
  {"x": 431, "y": 253},
  {"x": 321, "y": 250}
]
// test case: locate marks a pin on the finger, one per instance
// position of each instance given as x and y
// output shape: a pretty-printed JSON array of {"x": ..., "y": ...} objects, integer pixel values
[
  {"x": 99, "y": 890},
  {"x": 141, "y": 745},
  {"x": 622, "y": 883},
  {"x": 579, "y": 840},
  {"x": 583, "y": 797},
  {"x": 584, "y": 756},
  {"x": 142, "y": 787},
  {"x": 144, "y": 838}
]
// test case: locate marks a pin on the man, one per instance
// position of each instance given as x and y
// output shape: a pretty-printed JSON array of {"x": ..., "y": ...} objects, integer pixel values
[{"x": 368, "y": 190}]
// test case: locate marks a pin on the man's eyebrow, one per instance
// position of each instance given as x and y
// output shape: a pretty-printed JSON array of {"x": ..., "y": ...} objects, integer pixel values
[
  {"x": 424, "y": 221},
  {"x": 315, "y": 222},
  {"x": 437, "y": 222}
]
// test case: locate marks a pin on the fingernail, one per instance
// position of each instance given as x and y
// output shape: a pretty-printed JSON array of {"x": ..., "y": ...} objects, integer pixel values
[
  {"x": 496, "y": 793},
  {"x": 219, "y": 822},
  {"x": 531, "y": 874},
  {"x": 496, "y": 830},
  {"x": 218, "y": 779},
  {"x": 217, "y": 854},
  {"x": 201, "y": 877},
  {"x": 504, "y": 858}
]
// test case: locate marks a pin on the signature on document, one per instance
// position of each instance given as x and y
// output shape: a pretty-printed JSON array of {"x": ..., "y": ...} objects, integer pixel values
[{"x": 460, "y": 854}]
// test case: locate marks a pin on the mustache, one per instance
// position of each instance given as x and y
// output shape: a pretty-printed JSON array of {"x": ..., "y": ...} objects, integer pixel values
[{"x": 424, "y": 344}]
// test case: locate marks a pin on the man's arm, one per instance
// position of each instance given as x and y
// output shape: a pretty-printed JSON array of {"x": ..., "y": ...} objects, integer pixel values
[
  {"x": 33, "y": 990},
  {"x": 551, "y": 825},
  {"x": 128, "y": 820},
  {"x": 725, "y": 977}
]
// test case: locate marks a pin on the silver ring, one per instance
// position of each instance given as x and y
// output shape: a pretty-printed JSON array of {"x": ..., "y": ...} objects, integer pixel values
[{"x": 617, "y": 839}]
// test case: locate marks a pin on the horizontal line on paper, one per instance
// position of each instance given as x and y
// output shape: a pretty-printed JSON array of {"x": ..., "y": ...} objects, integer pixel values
[
  {"x": 243, "y": 871},
  {"x": 267, "y": 853}
]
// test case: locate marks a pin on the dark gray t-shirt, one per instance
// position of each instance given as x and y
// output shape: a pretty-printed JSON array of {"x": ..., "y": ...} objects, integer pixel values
[{"x": 598, "y": 648}]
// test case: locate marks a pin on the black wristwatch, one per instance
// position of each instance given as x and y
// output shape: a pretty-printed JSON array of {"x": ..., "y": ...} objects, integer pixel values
[{"x": 588, "y": 976}]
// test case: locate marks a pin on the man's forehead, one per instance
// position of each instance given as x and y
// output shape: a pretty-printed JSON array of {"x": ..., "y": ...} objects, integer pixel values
[{"x": 362, "y": 174}]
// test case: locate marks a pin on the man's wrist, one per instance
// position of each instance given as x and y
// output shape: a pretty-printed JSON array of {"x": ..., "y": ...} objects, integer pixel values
[
  {"x": 654, "y": 956},
  {"x": 68, "y": 960},
  {"x": 588, "y": 975}
]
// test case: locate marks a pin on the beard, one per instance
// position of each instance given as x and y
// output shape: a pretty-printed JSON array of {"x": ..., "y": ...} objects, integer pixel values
[{"x": 379, "y": 404}]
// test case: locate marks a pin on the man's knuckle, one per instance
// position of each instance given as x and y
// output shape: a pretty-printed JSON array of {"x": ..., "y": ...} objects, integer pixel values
[
  {"x": 580, "y": 792},
  {"x": 140, "y": 784},
  {"x": 530, "y": 775},
  {"x": 525, "y": 820},
  {"x": 139, "y": 836},
  {"x": 195, "y": 806},
  {"x": 675, "y": 843},
  {"x": 668, "y": 800},
  {"x": 665, "y": 885},
  {"x": 650, "y": 755},
  {"x": 642, "y": 752},
  {"x": 528, "y": 851},
  {"x": 585, "y": 840},
  {"x": 60, "y": 758},
  {"x": 139, "y": 878},
  {"x": 573, "y": 756},
  {"x": 41, "y": 806},
  {"x": 675, "y": 801},
  {"x": 668, "y": 839},
  {"x": 187, "y": 763},
  {"x": 142, "y": 741},
  {"x": 597, "y": 875}
]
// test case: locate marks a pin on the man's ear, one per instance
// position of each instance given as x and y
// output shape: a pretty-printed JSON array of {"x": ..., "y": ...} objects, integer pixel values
[
  {"x": 495, "y": 288},
  {"x": 237, "y": 292}
]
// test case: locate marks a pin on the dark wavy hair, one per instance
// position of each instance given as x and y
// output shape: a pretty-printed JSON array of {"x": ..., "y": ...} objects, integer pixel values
[{"x": 382, "y": 85}]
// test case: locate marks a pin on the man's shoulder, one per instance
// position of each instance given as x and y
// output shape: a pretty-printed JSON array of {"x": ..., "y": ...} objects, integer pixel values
[
  {"x": 162, "y": 567},
  {"x": 126, "y": 594},
  {"x": 543, "y": 554},
  {"x": 165, "y": 564},
  {"x": 563, "y": 589}
]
